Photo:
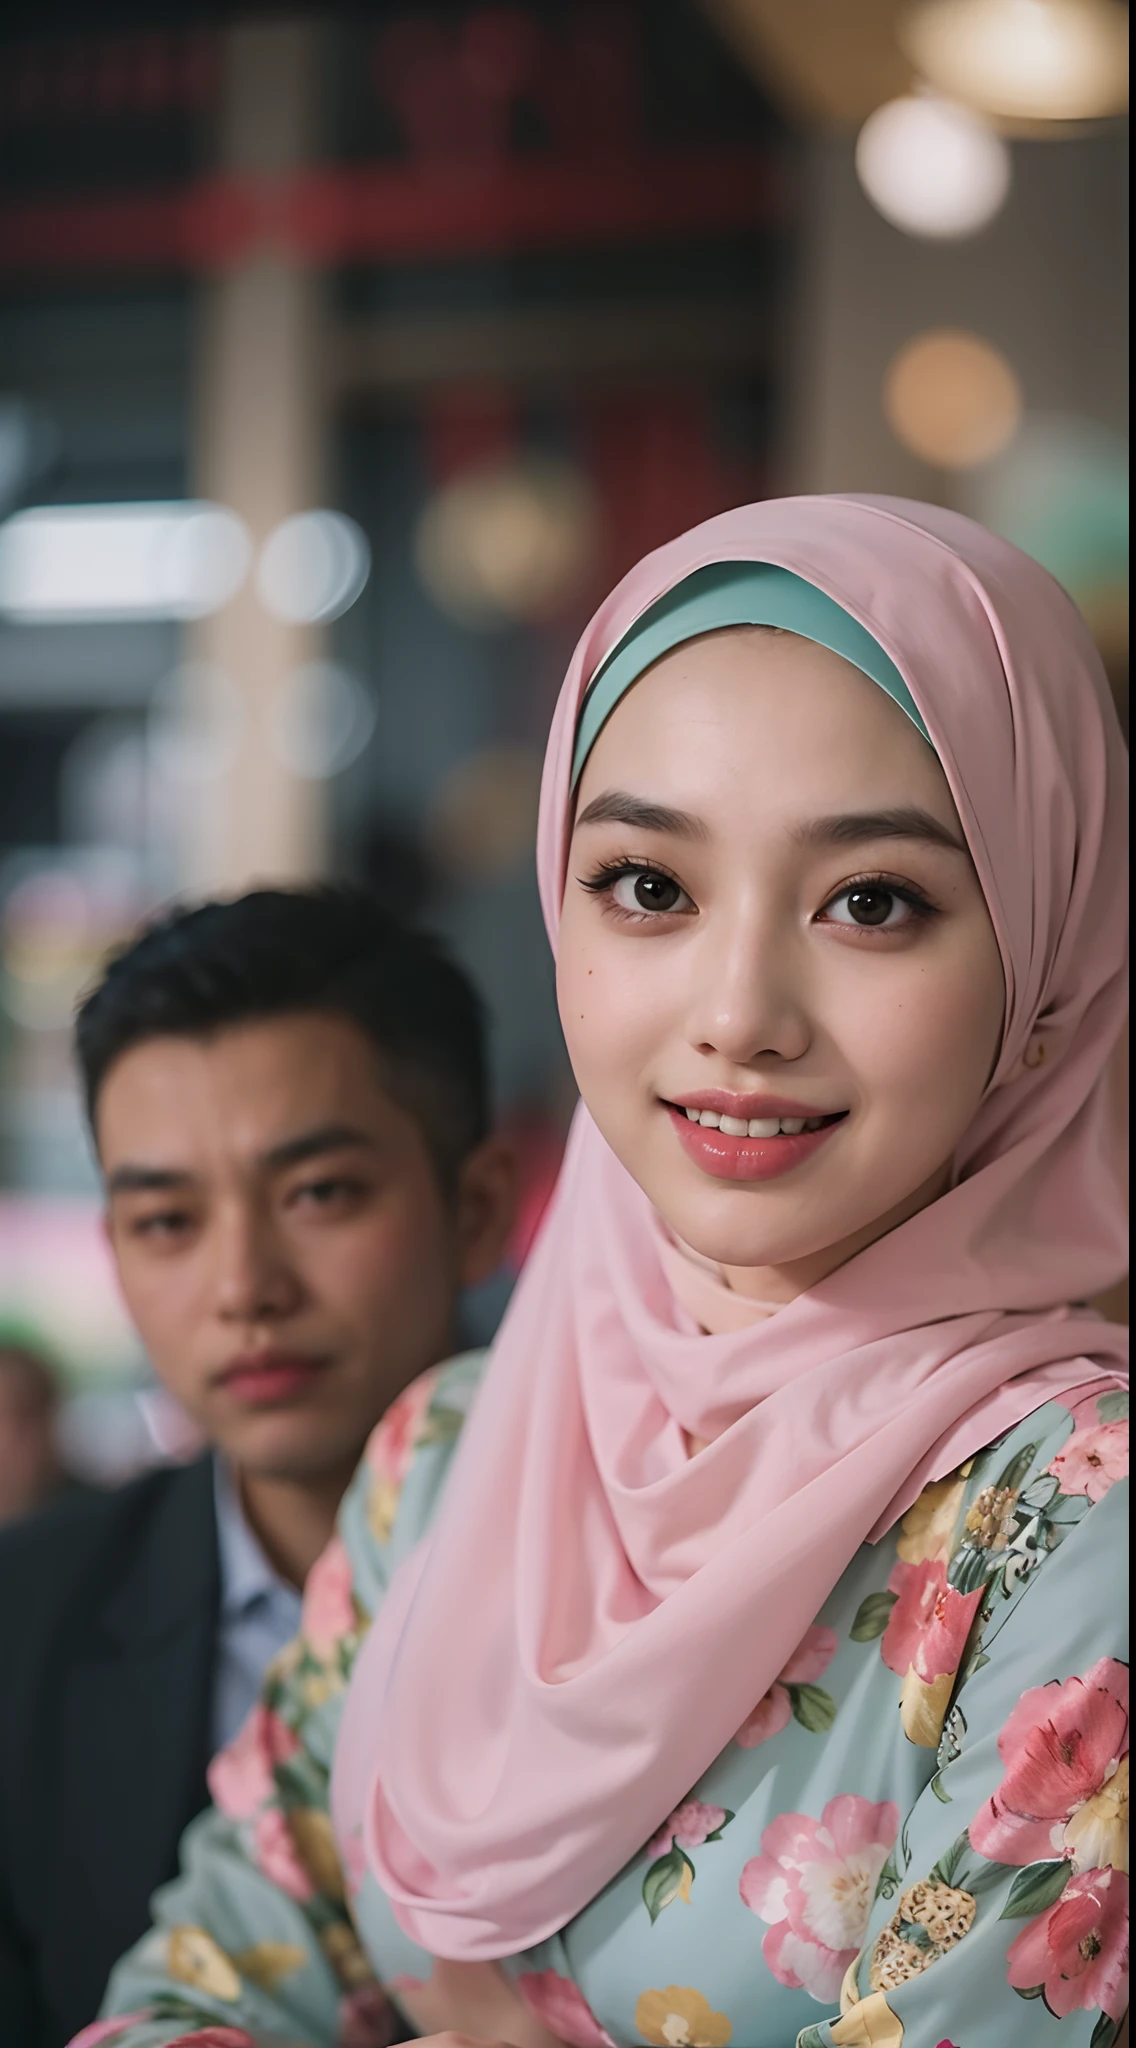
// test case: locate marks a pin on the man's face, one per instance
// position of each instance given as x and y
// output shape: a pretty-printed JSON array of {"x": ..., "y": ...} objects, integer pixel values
[{"x": 282, "y": 1240}]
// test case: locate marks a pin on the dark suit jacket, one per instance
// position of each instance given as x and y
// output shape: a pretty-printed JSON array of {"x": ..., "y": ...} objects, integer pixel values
[{"x": 108, "y": 1621}]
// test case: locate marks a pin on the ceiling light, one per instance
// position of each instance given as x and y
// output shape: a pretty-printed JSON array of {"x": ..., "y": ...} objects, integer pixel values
[
  {"x": 312, "y": 567},
  {"x": 1023, "y": 60},
  {"x": 932, "y": 167},
  {"x": 952, "y": 399},
  {"x": 108, "y": 562},
  {"x": 512, "y": 541}
]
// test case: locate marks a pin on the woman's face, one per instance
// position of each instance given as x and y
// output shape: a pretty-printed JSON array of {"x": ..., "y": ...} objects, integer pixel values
[{"x": 771, "y": 918}]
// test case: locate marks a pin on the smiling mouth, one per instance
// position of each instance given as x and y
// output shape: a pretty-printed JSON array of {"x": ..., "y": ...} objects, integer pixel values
[{"x": 756, "y": 1126}]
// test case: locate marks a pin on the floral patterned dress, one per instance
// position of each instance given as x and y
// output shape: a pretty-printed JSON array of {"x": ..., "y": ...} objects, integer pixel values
[{"x": 917, "y": 1836}]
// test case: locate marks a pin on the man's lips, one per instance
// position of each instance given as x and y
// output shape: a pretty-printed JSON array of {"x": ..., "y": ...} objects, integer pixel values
[
  {"x": 261, "y": 1378},
  {"x": 743, "y": 1154}
]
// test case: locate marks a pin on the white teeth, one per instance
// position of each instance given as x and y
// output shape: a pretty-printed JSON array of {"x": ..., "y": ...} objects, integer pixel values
[
  {"x": 694, "y": 1115},
  {"x": 792, "y": 1124},
  {"x": 710, "y": 1118},
  {"x": 813, "y": 1123},
  {"x": 764, "y": 1126},
  {"x": 734, "y": 1126}
]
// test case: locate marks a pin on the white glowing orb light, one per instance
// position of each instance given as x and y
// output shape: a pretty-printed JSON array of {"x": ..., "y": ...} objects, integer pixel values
[
  {"x": 115, "y": 562},
  {"x": 1023, "y": 60},
  {"x": 932, "y": 168},
  {"x": 322, "y": 720},
  {"x": 312, "y": 567}
]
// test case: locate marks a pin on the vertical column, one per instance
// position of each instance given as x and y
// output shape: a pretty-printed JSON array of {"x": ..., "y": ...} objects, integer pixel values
[{"x": 259, "y": 449}]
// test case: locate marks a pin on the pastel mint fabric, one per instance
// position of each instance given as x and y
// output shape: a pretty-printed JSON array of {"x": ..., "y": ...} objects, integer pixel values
[
  {"x": 734, "y": 594},
  {"x": 921, "y": 1823}
]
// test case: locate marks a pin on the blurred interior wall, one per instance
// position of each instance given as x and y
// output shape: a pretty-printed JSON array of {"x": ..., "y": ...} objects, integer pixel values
[{"x": 259, "y": 437}]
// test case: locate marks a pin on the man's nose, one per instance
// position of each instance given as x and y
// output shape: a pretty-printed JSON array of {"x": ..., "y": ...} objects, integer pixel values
[{"x": 255, "y": 1279}]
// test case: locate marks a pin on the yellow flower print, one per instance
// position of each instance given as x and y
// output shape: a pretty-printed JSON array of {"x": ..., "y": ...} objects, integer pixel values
[
  {"x": 871, "y": 2024},
  {"x": 382, "y": 1506},
  {"x": 680, "y": 2017},
  {"x": 1097, "y": 1834},
  {"x": 341, "y": 1947},
  {"x": 314, "y": 1837},
  {"x": 270, "y": 1962},
  {"x": 930, "y": 1522},
  {"x": 923, "y": 1706},
  {"x": 194, "y": 1958}
]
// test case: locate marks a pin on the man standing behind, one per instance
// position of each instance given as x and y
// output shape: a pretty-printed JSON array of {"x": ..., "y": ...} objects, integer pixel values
[{"x": 288, "y": 1101}]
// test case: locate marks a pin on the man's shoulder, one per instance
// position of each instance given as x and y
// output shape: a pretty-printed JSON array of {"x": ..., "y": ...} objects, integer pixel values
[{"x": 50, "y": 1555}]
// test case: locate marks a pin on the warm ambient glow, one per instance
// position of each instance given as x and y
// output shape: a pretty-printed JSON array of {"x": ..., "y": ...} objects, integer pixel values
[
  {"x": 931, "y": 167},
  {"x": 104, "y": 562},
  {"x": 508, "y": 542},
  {"x": 1023, "y": 60},
  {"x": 952, "y": 399}
]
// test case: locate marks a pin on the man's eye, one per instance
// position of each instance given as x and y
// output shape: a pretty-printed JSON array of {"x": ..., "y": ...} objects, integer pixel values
[
  {"x": 166, "y": 1223},
  {"x": 322, "y": 1193},
  {"x": 646, "y": 890}
]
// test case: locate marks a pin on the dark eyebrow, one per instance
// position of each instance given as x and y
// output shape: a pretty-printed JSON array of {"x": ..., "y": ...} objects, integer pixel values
[
  {"x": 619, "y": 807},
  {"x": 854, "y": 826},
  {"x": 142, "y": 1180}
]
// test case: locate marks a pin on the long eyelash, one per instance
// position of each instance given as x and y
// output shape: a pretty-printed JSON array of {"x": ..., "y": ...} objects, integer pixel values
[
  {"x": 906, "y": 891},
  {"x": 607, "y": 876}
]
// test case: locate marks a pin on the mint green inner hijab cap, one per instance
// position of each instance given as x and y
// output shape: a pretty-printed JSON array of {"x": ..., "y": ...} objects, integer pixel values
[{"x": 734, "y": 594}]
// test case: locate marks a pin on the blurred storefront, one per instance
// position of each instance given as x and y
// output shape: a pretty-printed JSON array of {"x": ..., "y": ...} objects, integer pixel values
[{"x": 346, "y": 360}]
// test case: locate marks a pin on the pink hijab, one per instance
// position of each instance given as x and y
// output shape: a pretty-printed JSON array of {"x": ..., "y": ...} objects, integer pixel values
[{"x": 595, "y": 1612}]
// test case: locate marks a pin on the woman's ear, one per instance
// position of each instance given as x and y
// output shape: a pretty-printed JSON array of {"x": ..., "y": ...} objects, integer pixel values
[{"x": 486, "y": 1209}]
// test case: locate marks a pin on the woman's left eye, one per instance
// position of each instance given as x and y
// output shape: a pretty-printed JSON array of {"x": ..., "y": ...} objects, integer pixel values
[{"x": 873, "y": 906}]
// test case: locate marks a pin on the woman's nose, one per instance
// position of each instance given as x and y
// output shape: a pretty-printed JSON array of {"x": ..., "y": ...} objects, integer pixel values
[{"x": 747, "y": 1004}]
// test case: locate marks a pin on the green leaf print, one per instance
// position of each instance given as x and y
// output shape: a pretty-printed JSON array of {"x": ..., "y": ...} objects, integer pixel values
[
  {"x": 442, "y": 1425},
  {"x": 939, "y": 1789},
  {"x": 664, "y": 1881},
  {"x": 812, "y": 1706},
  {"x": 1112, "y": 1408},
  {"x": 1035, "y": 1990},
  {"x": 872, "y": 1617},
  {"x": 1105, "y": 2032},
  {"x": 814, "y": 2037},
  {"x": 1035, "y": 1888},
  {"x": 1013, "y": 1474}
]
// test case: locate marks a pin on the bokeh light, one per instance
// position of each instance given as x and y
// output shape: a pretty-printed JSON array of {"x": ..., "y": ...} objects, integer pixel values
[
  {"x": 322, "y": 720},
  {"x": 312, "y": 567},
  {"x": 1024, "y": 60},
  {"x": 482, "y": 821},
  {"x": 177, "y": 560},
  {"x": 510, "y": 541},
  {"x": 952, "y": 398},
  {"x": 932, "y": 167},
  {"x": 196, "y": 723}
]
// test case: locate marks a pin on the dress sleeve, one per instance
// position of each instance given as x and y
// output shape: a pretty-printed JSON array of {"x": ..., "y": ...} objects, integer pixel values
[
  {"x": 255, "y": 1935},
  {"x": 1000, "y": 1920}
]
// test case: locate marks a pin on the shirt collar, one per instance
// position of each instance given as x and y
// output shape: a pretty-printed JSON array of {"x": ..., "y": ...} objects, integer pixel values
[{"x": 246, "y": 1574}]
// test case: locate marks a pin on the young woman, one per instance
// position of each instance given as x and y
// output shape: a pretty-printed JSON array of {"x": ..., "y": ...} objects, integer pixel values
[{"x": 758, "y": 1677}]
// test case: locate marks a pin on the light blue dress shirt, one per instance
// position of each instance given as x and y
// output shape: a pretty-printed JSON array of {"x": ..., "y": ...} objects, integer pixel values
[{"x": 259, "y": 1612}]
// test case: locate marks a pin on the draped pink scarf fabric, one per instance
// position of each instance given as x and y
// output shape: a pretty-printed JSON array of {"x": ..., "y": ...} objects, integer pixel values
[{"x": 596, "y": 1612}]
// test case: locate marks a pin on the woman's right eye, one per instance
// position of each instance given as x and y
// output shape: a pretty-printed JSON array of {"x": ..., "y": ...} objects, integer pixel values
[{"x": 644, "y": 889}]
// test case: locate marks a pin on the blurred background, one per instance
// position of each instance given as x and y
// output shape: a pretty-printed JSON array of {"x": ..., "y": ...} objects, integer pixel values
[{"x": 347, "y": 356}]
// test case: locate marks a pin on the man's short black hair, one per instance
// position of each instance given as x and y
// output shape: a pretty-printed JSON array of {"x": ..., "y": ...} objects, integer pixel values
[{"x": 330, "y": 950}]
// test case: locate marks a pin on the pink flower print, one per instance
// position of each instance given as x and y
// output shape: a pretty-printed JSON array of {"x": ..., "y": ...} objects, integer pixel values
[
  {"x": 105, "y": 2030},
  {"x": 390, "y": 1446},
  {"x": 274, "y": 1853},
  {"x": 1065, "y": 1792},
  {"x": 563, "y": 2009},
  {"x": 329, "y": 1611},
  {"x": 364, "y": 2018},
  {"x": 240, "y": 1775},
  {"x": 1092, "y": 1460},
  {"x": 814, "y": 1883},
  {"x": 930, "y": 1622},
  {"x": 773, "y": 1710},
  {"x": 689, "y": 1825},
  {"x": 1078, "y": 1951}
]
